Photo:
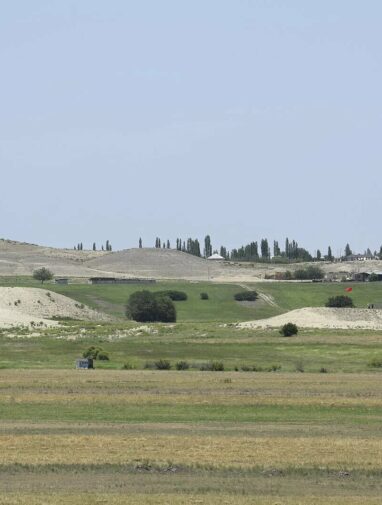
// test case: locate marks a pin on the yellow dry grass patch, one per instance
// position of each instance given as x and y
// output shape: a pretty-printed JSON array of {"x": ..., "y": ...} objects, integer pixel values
[
  {"x": 214, "y": 451},
  {"x": 229, "y": 398},
  {"x": 189, "y": 499}
]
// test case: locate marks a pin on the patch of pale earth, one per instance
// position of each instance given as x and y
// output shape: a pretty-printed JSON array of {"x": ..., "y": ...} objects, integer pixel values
[
  {"x": 34, "y": 306},
  {"x": 323, "y": 317}
]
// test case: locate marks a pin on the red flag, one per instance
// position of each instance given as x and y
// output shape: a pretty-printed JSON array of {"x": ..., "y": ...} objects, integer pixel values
[{"x": 349, "y": 290}]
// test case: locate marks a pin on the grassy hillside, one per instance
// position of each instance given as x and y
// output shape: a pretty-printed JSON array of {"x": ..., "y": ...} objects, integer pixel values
[
  {"x": 112, "y": 299},
  {"x": 296, "y": 295},
  {"x": 283, "y": 296}
]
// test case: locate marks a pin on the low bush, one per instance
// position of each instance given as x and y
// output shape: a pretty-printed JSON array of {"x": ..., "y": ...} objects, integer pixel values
[
  {"x": 103, "y": 356},
  {"x": 212, "y": 366},
  {"x": 375, "y": 363},
  {"x": 250, "y": 368},
  {"x": 91, "y": 352},
  {"x": 204, "y": 296},
  {"x": 94, "y": 352},
  {"x": 246, "y": 296},
  {"x": 323, "y": 370},
  {"x": 162, "y": 364},
  {"x": 175, "y": 296},
  {"x": 182, "y": 365},
  {"x": 309, "y": 273},
  {"x": 127, "y": 366},
  {"x": 289, "y": 329},
  {"x": 274, "y": 368},
  {"x": 339, "y": 301}
]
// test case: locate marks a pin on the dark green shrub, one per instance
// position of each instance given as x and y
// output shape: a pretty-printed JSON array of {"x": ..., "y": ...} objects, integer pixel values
[
  {"x": 162, "y": 364},
  {"x": 103, "y": 356},
  {"x": 127, "y": 366},
  {"x": 212, "y": 366},
  {"x": 166, "y": 311},
  {"x": 251, "y": 368},
  {"x": 323, "y": 370},
  {"x": 375, "y": 363},
  {"x": 246, "y": 296},
  {"x": 289, "y": 329},
  {"x": 96, "y": 353},
  {"x": 339, "y": 301},
  {"x": 182, "y": 365},
  {"x": 309, "y": 273},
  {"x": 91, "y": 352},
  {"x": 204, "y": 296},
  {"x": 144, "y": 306},
  {"x": 176, "y": 296},
  {"x": 274, "y": 368}
]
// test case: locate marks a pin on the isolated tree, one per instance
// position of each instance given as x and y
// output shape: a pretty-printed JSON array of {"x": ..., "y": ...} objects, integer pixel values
[
  {"x": 330, "y": 255},
  {"x": 94, "y": 246},
  {"x": 348, "y": 251},
  {"x": 318, "y": 255},
  {"x": 42, "y": 274},
  {"x": 264, "y": 247},
  {"x": 207, "y": 246},
  {"x": 168, "y": 244},
  {"x": 140, "y": 243}
]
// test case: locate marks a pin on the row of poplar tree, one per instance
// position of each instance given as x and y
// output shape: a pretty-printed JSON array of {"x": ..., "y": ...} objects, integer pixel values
[
  {"x": 107, "y": 247},
  {"x": 250, "y": 252}
]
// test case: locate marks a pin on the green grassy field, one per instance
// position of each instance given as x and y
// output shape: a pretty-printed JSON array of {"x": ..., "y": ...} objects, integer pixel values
[
  {"x": 221, "y": 307},
  {"x": 197, "y": 343},
  {"x": 174, "y": 437},
  {"x": 190, "y": 437}
]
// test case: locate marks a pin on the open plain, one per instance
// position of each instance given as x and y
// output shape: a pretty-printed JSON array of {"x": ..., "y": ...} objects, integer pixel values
[{"x": 286, "y": 420}]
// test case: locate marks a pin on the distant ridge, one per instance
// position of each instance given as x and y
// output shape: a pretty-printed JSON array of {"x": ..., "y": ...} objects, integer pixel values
[{"x": 20, "y": 258}]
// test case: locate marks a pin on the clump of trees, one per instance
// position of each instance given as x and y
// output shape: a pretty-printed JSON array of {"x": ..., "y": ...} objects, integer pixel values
[
  {"x": 339, "y": 301},
  {"x": 309, "y": 273},
  {"x": 145, "y": 306},
  {"x": 42, "y": 274},
  {"x": 246, "y": 296}
]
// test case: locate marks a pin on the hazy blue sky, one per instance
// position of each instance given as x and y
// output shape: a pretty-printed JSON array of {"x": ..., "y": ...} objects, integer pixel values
[{"x": 242, "y": 119}]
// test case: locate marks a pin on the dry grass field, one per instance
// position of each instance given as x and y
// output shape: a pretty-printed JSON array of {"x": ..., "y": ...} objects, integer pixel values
[{"x": 143, "y": 437}]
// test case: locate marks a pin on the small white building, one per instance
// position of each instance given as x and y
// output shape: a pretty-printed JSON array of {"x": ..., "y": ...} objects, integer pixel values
[{"x": 216, "y": 257}]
